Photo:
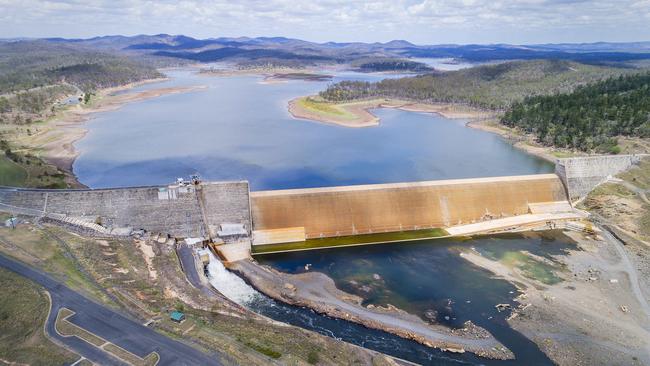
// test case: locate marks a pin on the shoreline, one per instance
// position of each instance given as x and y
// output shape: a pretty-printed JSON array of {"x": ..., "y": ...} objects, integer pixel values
[
  {"x": 56, "y": 137},
  {"x": 318, "y": 292},
  {"x": 570, "y": 331},
  {"x": 358, "y": 114}
]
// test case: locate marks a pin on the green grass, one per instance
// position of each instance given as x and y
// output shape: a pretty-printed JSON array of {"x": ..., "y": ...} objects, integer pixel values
[
  {"x": 320, "y": 107},
  {"x": 28, "y": 170},
  {"x": 376, "y": 238},
  {"x": 23, "y": 310},
  {"x": 639, "y": 176},
  {"x": 11, "y": 174},
  {"x": 612, "y": 189}
]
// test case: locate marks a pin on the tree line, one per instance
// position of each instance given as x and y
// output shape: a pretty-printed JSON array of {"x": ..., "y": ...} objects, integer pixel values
[
  {"x": 493, "y": 87},
  {"x": 590, "y": 117}
]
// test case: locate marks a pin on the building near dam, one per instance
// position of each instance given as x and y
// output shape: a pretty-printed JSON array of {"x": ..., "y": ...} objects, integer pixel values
[{"x": 229, "y": 212}]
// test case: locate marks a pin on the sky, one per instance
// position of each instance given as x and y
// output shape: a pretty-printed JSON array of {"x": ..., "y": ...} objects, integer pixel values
[{"x": 418, "y": 21}]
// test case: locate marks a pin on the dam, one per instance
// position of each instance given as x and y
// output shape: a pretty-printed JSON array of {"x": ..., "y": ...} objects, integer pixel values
[
  {"x": 367, "y": 209},
  {"x": 284, "y": 220}
]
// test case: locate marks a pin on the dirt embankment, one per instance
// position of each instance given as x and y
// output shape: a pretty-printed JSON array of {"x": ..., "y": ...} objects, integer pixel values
[
  {"x": 318, "y": 292},
  {"x": 592, "y": 317},
  {"x": 54, "y": 140}
]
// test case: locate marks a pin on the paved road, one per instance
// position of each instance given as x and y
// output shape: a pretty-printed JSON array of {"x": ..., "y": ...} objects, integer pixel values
[
  {"x": 189, "y": 267},
  {"x": 108, "y": 324}
]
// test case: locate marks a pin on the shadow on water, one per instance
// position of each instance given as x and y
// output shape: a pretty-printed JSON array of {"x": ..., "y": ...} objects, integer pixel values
[{"x": 430, "y": 279}]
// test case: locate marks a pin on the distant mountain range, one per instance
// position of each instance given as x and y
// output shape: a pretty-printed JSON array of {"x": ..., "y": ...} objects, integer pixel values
[{"x": 282, "y": 48}]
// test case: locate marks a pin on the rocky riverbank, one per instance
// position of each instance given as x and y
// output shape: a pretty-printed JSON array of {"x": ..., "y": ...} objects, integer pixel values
[
  {"x": 318, "y": 292},
  {"x": 592, "y": 316}
]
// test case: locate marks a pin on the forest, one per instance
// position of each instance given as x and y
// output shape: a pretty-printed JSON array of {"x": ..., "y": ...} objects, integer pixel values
[
  {"x": 36, "y": 74},
  {"x": 590, "y": 117},
  {"x": 492, "y": 86},
  {"x": 380, "y": 64}
]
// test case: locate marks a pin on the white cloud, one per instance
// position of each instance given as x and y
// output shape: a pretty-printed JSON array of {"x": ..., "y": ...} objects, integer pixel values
[{"x": 423, "y": 21}]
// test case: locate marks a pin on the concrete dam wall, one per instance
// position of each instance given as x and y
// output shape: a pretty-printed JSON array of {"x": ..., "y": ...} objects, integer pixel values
[
  {"x": 375, "y": 208},
  {"x": 173, "y": 209},
  {"x": 582, "y": 174}
]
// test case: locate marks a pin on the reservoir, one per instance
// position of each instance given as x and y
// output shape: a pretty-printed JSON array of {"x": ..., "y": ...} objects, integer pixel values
[{"x": 239, "y": 128}]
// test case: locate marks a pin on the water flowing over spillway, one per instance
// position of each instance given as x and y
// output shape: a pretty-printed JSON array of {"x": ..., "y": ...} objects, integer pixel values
[{"x": 229, "y": 284}]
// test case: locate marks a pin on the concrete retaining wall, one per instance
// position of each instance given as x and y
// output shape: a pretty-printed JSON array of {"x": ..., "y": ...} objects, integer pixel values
[
  {"x": 404, "y": 206},
  {"x": 172, "y": 210},
  {"x": 582, "y": 174}
]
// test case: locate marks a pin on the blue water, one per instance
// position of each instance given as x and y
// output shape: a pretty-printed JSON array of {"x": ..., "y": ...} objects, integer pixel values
[
  {"x": 430, "y": 279},
  {"x": 239, "y": 128}
]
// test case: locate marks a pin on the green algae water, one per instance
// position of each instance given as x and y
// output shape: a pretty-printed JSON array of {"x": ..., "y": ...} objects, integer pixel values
[{"x": 351, "y": 240}]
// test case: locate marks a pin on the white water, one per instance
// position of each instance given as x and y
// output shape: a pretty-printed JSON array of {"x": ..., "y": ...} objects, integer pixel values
[{"x": 229, "y": 284}]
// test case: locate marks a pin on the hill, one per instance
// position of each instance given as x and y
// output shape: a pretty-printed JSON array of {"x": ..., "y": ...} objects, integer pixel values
[
  {"x": 490, "y": 86},
  {"x": 590, "y": 117},
  {"x": 35, "y": 74},
  {"x": 166, "y": 48},
  {"x": 30, "y": 64}
]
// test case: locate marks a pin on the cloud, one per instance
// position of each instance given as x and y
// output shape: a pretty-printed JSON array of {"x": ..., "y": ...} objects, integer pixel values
[{"x": 424, "y": 21}]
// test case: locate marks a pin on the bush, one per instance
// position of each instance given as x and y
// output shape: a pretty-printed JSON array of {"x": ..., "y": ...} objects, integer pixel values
[{"x": 313, "y": 357}]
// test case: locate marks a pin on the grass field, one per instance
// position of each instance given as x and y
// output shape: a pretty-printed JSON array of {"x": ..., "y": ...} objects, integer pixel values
[
  {"x": 23, "y": 310},
  {"x": 351, "y": 240},
  {"x": 34, "y": 246},
  {"x": 11, "y": 174},
  {"x": 323, "y": 107}
]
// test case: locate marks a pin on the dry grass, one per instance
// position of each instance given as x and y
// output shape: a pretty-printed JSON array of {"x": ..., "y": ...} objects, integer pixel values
[
  {"x": 23, "y": 310},
  {"x": 639, "y": 176}
]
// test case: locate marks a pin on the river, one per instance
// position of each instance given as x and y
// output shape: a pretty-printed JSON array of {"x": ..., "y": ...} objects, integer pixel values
[{"x": 239, "y": 128}]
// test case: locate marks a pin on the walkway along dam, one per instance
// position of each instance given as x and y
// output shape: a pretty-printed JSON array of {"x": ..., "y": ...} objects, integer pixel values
[{"x": 296, "y": 219}]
